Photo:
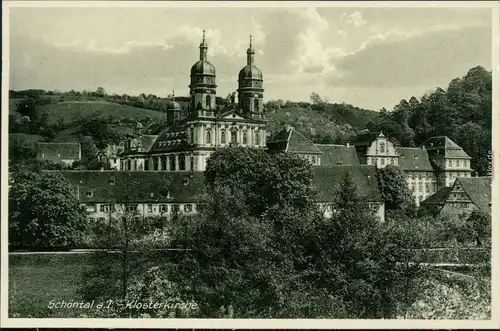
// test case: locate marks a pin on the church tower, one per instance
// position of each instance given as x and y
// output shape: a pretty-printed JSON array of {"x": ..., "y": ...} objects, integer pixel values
[
  {"x": 202, "y": 88},
  {"x": 250, "y": 91}
]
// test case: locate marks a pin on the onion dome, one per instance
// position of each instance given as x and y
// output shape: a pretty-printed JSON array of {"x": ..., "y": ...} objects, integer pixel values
[
  {"x": 202, "y": 67},
  {"x": 250, "y": 71},
  {"x": 173, "y": 105}
]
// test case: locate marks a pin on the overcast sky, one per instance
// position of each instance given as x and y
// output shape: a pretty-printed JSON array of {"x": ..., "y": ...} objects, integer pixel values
[{"x": 368, "y": 57}]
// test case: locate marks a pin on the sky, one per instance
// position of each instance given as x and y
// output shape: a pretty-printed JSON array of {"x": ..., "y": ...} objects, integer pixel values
[{"x": 367, "y": 57}]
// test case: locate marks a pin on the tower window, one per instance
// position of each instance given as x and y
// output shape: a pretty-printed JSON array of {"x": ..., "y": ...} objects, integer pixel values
[
  {"x": 207, "y": 102},
  {"x": 192, "y": 135},
  {"x": 209, "y": 137},
  {"x": 256, "y": 135},
  {"x": 256, "y": 105},
  {"x": 223, "y": 137},
  {"x": 192, "y": 163},
  {"x": 382, "y": 147},
  {"x": 244, "y": 138}
]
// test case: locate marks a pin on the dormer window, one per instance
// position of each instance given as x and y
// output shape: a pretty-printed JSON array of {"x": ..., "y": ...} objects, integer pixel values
[{"x": 89, "y": 194}]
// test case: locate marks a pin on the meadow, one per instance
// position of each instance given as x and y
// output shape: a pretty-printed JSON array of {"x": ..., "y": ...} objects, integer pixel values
[{"x": 36, "y": 279}]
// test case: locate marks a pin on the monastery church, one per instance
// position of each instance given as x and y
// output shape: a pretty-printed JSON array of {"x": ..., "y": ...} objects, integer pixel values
[{"x": 177, "y": 149}]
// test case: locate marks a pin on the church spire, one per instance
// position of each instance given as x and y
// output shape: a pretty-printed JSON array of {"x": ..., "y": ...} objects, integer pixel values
[
  {"x": 203, "y": 48},
  {"x": 250, "y": 53}
]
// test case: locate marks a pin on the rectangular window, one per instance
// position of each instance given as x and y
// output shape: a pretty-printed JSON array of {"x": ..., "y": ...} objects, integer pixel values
[
  {"x": 131, "y": 207},
  {"x": 413, "y": 175},
  {"x": 450, "y": 164},
  {"x": 413, "y": 187},
  {"x": 420, "y": 187},
  {"x": 382, "y": 162},
  {"x": 188, "y": 208},
  {"x": 164, "y": 208},
  {"x": 392, "y": 161},
  {"x": 458, "y": 163},
  {"x": 368, "y": 161},
  {"x": 175, "y": 208},
  {"x": 101, "y": 219},
  {"x": 150, "y": 208}
]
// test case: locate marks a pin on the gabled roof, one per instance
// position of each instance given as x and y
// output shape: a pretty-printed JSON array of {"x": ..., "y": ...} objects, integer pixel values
[
  {"x": 58, "y": 151},
  {"x": 291, "y": 141},
  {"x": 439, "y": 143},
  {"x": 136, "y": 186},
  {"x": 438, "y": 198},
  {"x": 333, "y": 155},
  {"x": 479, "y": 191},
  {"x": 328, "y": 179},
  {"x": 413, "y": 159}
]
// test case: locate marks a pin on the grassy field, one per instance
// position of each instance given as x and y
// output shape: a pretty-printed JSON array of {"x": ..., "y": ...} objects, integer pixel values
[
  {"x": 35, "y": 280},
  {"x": 73, "y": 111}
]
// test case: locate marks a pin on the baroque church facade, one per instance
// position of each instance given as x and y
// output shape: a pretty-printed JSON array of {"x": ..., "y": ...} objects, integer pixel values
[{"x": 185, "y": 141}]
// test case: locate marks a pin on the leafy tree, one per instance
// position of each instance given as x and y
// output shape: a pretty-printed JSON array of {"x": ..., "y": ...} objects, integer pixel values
[
  {"x": 364, "y": 260},
  {"x": 44, "y": 212},
  {"x": 394, "y": 189},
  {"x": 100, "y": 131},
  {"x": 478, "y": 226},
  {"x": 100, "y": 91}
]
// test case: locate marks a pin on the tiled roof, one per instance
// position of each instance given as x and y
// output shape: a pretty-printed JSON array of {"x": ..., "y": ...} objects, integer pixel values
[
  {"x": 477, "y": 188},
  {"x": 279, "y": 141},
  {"x": 328, "y": 179},
  {"x": 333, "y": 155},
  {"x": 479, "y": 191},
  {"x": 413, "y": 159},
  {"x": 289, "y": 140},
  {"x": 438, "y": 198},
  {"x": 451, "y": 149},
  {"x": 58, "y": 151},
  {"x": 138, "y": 186},
  {"x": 172, "y": 138}
]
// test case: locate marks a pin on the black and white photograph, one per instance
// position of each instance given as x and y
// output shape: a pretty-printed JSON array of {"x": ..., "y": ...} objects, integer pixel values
[{"x": 267, "y": 161}]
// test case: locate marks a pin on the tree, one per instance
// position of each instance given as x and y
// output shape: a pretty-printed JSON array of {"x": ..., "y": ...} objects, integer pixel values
[
  {"x": 100, "y": 91},
  {"x": 44, "y": 212},
  {"x": 394, "y": 189},
  {"x": 479, "y": 226},
  {"x": 363, "y": 260}
]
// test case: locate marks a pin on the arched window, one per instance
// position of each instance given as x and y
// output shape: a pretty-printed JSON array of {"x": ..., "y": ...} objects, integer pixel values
[
  {"x": 207, "y": 102},
  {"x": 182, "y": 162},
  {"x": 255, "y": 105},
  {"x": 172, "y": 162},
  {"x": 233, "y": 137},
  {"x": 209, "y": 137},
  {"x": 155, "y": 164},
  {"x": 192, "y": 135},
  {"x": 191, "y": 160},
  {"x": 427, "y": 189},
  {"x": 244, "y": 138},
  {"x": 382, "y": 147},
  {"x": 223, "y": 137},
  {"x": 129, "y": 164},
  {"x": 135, "y": 164},
  {"x": 256, "y": 135}
]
